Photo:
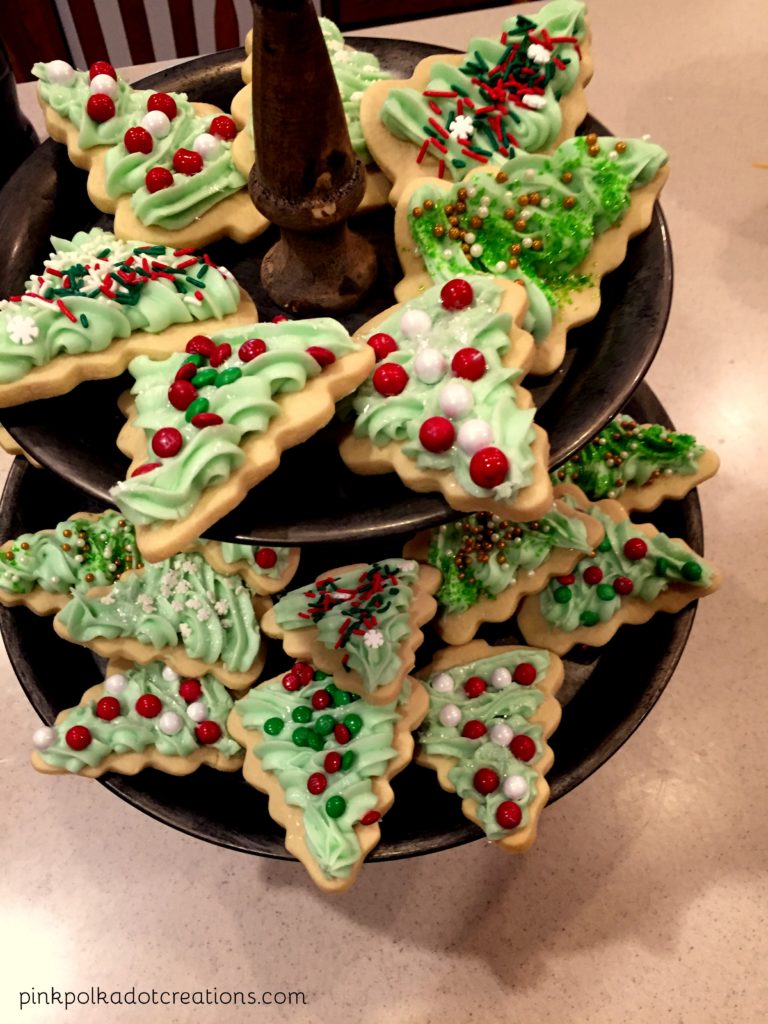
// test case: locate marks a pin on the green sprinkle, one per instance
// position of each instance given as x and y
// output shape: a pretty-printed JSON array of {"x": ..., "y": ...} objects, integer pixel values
[
  {"x": 459, "y": 163},
  {"x": 301, "y": 736},
  {"x": 354, "y": 723},
  {"x": 302, "y": 713},
  {"x": 324, "y": 725},
  {"x": 228, "y": 376},
  {"x": 588, "y": 618},
  {"x": 199, "y": 405},
  {"x": 104, "y": 253},
  {"x": 335, "y": 806},
  {"x": 195, "y": 358},
  {"x": 348, "y": 758},
  {"x": 273, "y": 726},
  {"x": 207, "y": 375},
  {"x": 315, "y": 741},
  {"x": 83, "y": 319},
  {"x": 150, "y": 250},
  {"x": 340, "y": 698}
]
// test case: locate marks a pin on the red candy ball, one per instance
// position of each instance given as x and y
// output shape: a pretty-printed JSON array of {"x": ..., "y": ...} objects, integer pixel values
[
  {"x": 524, "y": 674},
  {"x": 158, "y": 178},
  {"x": 508, "y": 814},
  {"x": 390, "y": 379},
  {"x": 382, "y": 345},
  {"x": 138, "y": 140},
  {"x": 251, "y": 348},
  {"x": 473, "y": 729},
  {"x": 185, "y": 372},
  {"x": 332, "y": 762},
  {"x": 148, "y": 705},
  {"x": 208, "y": 732},
  {"x": 623, "y": 585},
  {"x": 265, "y": 558},
  {"x": 163, "y": 102},
  {"x": 485, "y": 780},
  {"x": 223, "y": 127},
  {"x": 323, "y": 356},
  {"x": 342, "y": 733},
  {"x": 370, "y": 818},
  {"x": 635, "y": 549},
  {"x": 146, "y": 468},
  {"x": 181, "y": 393},
  {"x": 200, "y": 345},
  {"x": 317, "y": 783},
  {"x": 108, "y": 708},
  {"x": 190, "y": 690},
  {"x": 488, "y": 467},
  {"x": 281, "y": 318},
  {"x": 291, "y": 682},
  {"x": 78, "y": 737},
  {"x": 101, "y": 67},
  {"x": 303, "y": 672},
  {"x": 100, "y": 107},
  {"x": 523, "y": 747},
  {"x": 187, "y": 161},
  {"x": 206, "y": 419},
  {"x": 474, "y": 686},
  {"x": 220, "y": 354},
  {"x": 320, "y": 700},
  {"x": 469, "y": 363},
  {"x": 437, "y": 434},
  {"x": 593, "y": 574},
  {"x": 167, "y": 442},
  {"x": 456, "y": 294}
]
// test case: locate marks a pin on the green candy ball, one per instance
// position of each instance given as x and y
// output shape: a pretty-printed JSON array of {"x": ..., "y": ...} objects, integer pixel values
[
  {"x": 228, "y": 376},
  {"x": 605, "y": 592},
  {"x": 588, "y": 618},
  {"x": 199, "y": 405},
  {"x": 335, "y": 806},
  {"x": 302, "y": 713},
  {"x": 340, "y": 698},
  {"x": 301, "y": 736},
  {"x": 604, "y": 545},
  {"x": 562, "y": 595},
  {"x": 691, "y": 571},
  {"x": 324, "y": 725},
  {"x": 662, "y": 566},
  {"x": 315, "y": 741},
  {"x": 273, "y": 726},
  {"x": 348, "y": 758},
  {"x": 205, "y": 376},
  {"x": 354, "y": 723}
]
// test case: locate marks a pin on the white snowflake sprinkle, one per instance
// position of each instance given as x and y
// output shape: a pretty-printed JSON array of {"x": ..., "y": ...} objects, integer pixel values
[
  {"x": 221, "y": 607},
  {"x": 461, "y": 127},
  {"x": 22, "y": 330},
  {"x": 533, "y": 101},
  {"x": 182, "y": 587},
  {"x": 373, "y": 638},
  {"x": 108, "y": 599},
  {"x": 177, "y": 606},
  {"x": 539, "y": 54},
  {"x": 193, "y": 602},
  {"x": 203, "y": 615},
  {"x": 185, "y": 631}
]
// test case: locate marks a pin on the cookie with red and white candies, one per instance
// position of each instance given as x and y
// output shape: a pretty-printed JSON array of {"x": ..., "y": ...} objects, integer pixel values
[
  {"x": 161, "y": 164},
  {"x": 491, "y": 711},
  {"x": 325, "y": 758},
  {"x": 141, "y": 716},
  {"x": 634, "y": 572},
  {"x": 444, "y": 407}
]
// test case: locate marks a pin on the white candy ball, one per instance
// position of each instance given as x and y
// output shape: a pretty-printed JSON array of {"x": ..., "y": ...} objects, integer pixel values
[
  {"x": 157, "y": 123},
  {"x": 169, "y": 675},
  {"x": 456, "y": 399},
  {"x": 501, "y": 678},
  {"x": 60, "y": 73},
  {"x": 476, "y": 249},
  {"x": 474, "y": 435},
  {"x": 198, "y": 711},
  {"x": 429, "y": 365},
  {"x": 500, "y": 267},
  {"x": 104, "y": 84},
  {"x": 169, "y": 723},
  {"x": 501, "y": 733},
  {"x": 515, "y": 787},
  {"x": 45, "y": 736},
  {"x": 115, "y": 684},
  {"x": 415, "y": 322},
  {"x": 206, "y": 145},
  {"x": 483, "y": 212},
  {"x": 470, "y": 237},
  {"x": 450, "y": 715},
  {"x": 443, "y": 683}
]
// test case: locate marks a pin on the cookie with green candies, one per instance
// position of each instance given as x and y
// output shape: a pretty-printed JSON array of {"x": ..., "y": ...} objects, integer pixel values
[
  {"x": 491, "y": 712},
  {"x": 635, "y": 572},
  {"x": 325, "y": 759},
  {"x": 141, "y": 716}
]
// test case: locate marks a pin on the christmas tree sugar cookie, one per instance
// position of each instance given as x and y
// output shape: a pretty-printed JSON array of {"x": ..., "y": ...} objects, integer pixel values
[
  {"x": 161, "y": 164},
  {"x": 634, "y": 573},
  {"x": 98, "y": 302},
  {"x": 354, "y": 70},
  {"x": 141, "y": 716},
  {"x": 325, "y": 758},
  {"x": 444, "y": 407},
  {"x": 180, "y": 612},
  {"x": 489, "y": 564},
  {"x": 638, "y": 464},
  {"x": 555, "y": 223},
  {"x": 491, "y": 711},
  {"x": 523, "y": 91},
  {"x": 360, "y": 623},
  {"x": 207, "y": 424}
]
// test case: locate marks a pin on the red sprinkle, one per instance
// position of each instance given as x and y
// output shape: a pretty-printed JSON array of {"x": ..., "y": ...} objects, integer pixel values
[
  {"x": 370, "y": 818},
  {"x": 220, "y": 354},
  {"x": 146, "y": 468},
  {"x": 317, "y": 783},
  {"x": 181, "y": 394},
  {"x": 323, "y": 356},
  {"x": 67, "y": 312},
  {"x": 186, "y": 371},
  {"x": 200, "y": 345},
  {"x": 206, "y": 419},
  {"x": 332, "y": 762},
  {"x": 342, "y": 733},
  {"x": 251, "y": 348}
]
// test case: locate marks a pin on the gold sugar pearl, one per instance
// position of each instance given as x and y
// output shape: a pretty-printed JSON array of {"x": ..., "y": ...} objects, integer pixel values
[
  {"x": 65, "y": 547},
  {"x": 512, "y": 264},
  {"x": 569, "y": 202},
  {"x": 592, "y": 139},
  {"x": 121, "y": 522},
  {"x": 594, "y": 150},
  {"x": 502, "y": 561},
  {"x": 24, "y": 546},
  {"x": 567, "y": 177},
  {"x": 537, "y": 245},
  {"x": 438, "y": 230},
  {"x": 89, "y": 577},
  {"x": 509, "y": 213},
  {"x": 523, "y": 200},
  {"x": 520, "y": 225},
  {"x": 501, "y": 177},
  {"x": 454, "y": 233},
  {"x": 465, "y": 249},
  {"x": 461, "y": 207},
  {"x": 450, "y": 210},
  {"x": 454, "y": 222},
  {"x": 534, "y": 198},
  {"x": 476, "y": 222},
  {"x": 67, "y": 533},
  {"x": 429, "y": 204},
  {"x": 621, "y": 147},
  {"x": 9, "y": 555},
  {"x": 417, "y": 212},
  {"x": 461, "y": 195},
  {"x": 516, "y": 249}
]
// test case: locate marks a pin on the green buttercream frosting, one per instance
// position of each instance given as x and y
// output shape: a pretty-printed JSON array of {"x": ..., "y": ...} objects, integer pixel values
[
  {"x": 178, "y": 602},
  {"x": 96, "y": 289},
  {"x": 237, "y": 552},
  {"x": 492, "y": 407},
  {"x": 569, "y": 606},
  {"x": 131, "y": 732},
  {"x": 79, "y": 553},
  {"x": 625, "y": 454},
  {"x": 363, "y": 613},
  {"x": 512, "y": 705},
  {"x": 171, "y": 208},
  {"x": 242, "y": 393},
  {"x": 482, "y": 555},
  {"x": 504, "y": 97},
  {"x": 551, "y": 223},
  {"x": 330, "y": 837}
]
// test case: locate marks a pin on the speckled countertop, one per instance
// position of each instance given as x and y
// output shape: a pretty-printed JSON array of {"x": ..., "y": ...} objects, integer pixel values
[{"x": 645, "y": 897}]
